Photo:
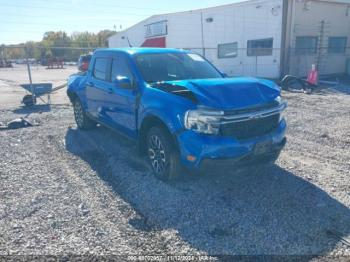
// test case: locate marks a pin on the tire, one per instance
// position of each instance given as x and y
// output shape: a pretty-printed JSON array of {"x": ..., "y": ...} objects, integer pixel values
[
  {"x": 82, "y": 120},
  {"x": 162, "y": 155},
  {"x": 29, "y": 100}
]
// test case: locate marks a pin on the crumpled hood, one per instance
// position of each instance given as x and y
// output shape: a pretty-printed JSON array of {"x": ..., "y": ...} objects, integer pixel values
[{"x": 231, "y": 93}]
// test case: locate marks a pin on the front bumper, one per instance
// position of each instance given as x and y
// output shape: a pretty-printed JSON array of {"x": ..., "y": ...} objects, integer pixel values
[
  {"x": 198, "y": 150},
  {"x": 244, "y": 161}
]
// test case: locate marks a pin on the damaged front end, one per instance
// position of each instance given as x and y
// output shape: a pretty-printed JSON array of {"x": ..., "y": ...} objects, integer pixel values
[{"x": 177, "y": 90}]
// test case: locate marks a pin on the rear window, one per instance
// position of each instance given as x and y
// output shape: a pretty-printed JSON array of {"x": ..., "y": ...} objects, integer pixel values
[
  {"x": 100, "y": 68},
  {"x": 85, "y": 59}
]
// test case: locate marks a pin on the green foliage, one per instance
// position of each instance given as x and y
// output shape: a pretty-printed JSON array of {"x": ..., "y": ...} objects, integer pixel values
[{"x": 58, "y": 45}]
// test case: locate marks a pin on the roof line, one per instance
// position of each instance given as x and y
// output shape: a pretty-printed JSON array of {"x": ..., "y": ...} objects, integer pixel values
[
  {"x": 242, "y": 2},
  {"x": 340, "y": 2},
  {"x": 188, "y": 11},
  {"x": 210, "y": 7}
]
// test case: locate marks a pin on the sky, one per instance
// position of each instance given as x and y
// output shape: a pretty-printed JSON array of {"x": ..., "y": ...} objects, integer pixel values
[{"x": 24, "y": 20}]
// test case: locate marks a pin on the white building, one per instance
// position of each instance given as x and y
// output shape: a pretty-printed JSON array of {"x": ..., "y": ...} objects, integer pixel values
[{"x": 266, "y": 38}]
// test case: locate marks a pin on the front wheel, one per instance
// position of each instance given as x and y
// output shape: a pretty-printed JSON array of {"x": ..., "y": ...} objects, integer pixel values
[
  {"x": 162, "y": 154},
  {"x": 82, "y": 120}
]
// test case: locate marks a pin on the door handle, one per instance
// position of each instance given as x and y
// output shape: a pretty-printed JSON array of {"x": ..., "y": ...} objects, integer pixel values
[
  {"x": 110, "y": 90},
  {"x": 90, "y": 84}
]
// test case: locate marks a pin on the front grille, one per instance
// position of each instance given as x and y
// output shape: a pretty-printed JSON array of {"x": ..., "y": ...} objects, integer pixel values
[
  {"x": 252, "y": 109},
  {"x": 251, "y": 128}
]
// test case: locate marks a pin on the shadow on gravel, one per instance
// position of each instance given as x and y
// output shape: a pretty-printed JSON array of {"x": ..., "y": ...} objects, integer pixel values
[
  {"x": 341, "y": 89},
  {"x": 32, "y": 109},
  {"x": 270, "y": 212},
  {"x": 323, "y": 91}
]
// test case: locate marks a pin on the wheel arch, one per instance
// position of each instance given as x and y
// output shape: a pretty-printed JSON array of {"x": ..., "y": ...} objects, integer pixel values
[
  {"x": 72, "y": 96},
  {"x": 147, "y": 123}
]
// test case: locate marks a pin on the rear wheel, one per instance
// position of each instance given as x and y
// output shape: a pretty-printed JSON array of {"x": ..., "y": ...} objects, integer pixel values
[
  {"x": 82, "y": 120},
  {"x": 162, "y": 154}
]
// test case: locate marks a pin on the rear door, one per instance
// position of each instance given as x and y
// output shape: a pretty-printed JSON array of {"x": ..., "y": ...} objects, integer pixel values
[{"x": 97, "y": 86}]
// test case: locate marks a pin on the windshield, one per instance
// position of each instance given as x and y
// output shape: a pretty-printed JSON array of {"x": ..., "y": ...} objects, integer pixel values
[{"x": 159, "y": 67}]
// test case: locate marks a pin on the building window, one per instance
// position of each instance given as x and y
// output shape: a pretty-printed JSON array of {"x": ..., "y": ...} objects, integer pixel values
[
  {"x": 306, "y": 45},
  {"x": 260, "y": 47},
  {"x": 156, "y": 29},
  {"x": 337, "y": 45},
  {"x": 228, "y": 50}
]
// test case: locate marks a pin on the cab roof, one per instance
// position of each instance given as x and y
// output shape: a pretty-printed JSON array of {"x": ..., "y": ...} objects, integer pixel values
[{"x": 141, "y": 50}]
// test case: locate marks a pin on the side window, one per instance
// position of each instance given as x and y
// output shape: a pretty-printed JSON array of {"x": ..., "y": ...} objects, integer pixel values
[
  {"x": 100, "y": 68},
  {"x": 120, "y": 67}
]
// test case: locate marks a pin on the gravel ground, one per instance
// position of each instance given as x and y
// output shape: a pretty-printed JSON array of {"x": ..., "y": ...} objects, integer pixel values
[{"x": 65, "y": 191}]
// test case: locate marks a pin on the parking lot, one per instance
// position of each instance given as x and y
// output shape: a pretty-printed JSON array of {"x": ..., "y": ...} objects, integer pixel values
[{"x": 66, "y": 191}]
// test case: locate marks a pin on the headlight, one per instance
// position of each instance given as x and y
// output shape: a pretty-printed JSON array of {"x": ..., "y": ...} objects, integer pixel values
[
  {"x": 282, "y": 115},
  {"x": 279, "y": 100},
  {"x": 203, "y": 121}
]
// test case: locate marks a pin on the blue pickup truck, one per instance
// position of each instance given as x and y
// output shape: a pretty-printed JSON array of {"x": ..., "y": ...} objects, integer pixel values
[{"x": 182, "y": 111}]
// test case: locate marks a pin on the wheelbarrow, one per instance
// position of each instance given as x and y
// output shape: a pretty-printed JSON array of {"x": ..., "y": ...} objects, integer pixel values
[{"x": 39, "y": 91}]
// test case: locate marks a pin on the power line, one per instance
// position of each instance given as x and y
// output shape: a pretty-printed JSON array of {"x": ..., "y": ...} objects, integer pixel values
[
  {"x": 118, "y": 6},
  {"x": 67, "y": 9},
  {"x": 38, "y": 42},
  {"x": 49, "y": 17},
  {"x": 56, "y": 47},
  {"x": 31, "y": 23},
  {"x": 48, "y": 30},
  {"x": 22, "y": 31},
  {"x": 72, "y": 41}
]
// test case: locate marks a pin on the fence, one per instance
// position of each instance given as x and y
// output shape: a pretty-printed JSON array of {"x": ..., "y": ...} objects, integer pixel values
[
  {"x": 328, "y": 61},
  {"x": 273, "y": 63},
  {"x": 46, "y": 56},
  {"x": 261, "y": 62}
]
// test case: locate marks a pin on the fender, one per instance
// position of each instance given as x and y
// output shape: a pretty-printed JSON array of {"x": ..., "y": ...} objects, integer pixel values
[
  {"x": 76, "y": 85},
  {"x": 170, "y": 109},
  {"x": 173, "y": 123}
]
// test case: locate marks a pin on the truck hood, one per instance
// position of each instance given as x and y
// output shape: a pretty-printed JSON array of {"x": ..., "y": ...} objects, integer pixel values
[{"x": 229, "y": 93}]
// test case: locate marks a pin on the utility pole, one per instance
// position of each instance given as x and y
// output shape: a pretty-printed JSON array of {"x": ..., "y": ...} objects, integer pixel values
[
  {"x": 30, "y": 76},
  {"x": 2, "y": 52},
  {"x": 320, "y": 46},
  {"x": 202, "y": 29}
]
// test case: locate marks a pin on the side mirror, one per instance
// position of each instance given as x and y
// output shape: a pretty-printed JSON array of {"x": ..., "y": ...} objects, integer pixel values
[{"x": 123, "y": 82}]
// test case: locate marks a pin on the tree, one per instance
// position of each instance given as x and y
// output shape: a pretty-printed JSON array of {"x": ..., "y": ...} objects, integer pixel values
[
  {"x": 60, "y": 45},
  {"x": 103, "y": 37}
]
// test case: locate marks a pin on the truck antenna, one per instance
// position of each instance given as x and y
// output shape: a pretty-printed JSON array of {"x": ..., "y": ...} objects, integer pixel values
[{"x": 127, "y": 38}]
